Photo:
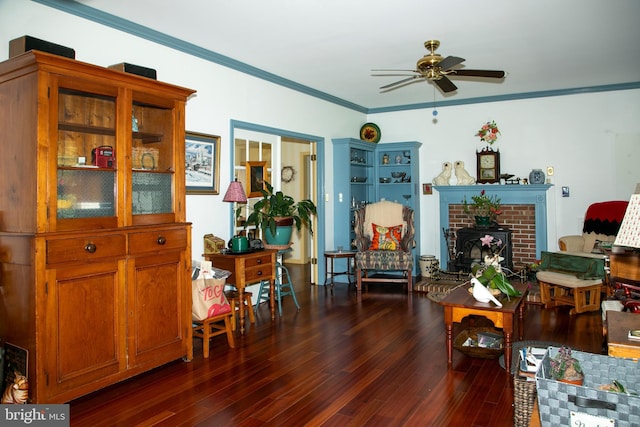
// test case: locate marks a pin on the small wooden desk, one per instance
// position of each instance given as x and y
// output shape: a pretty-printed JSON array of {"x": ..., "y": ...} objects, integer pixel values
[
  {"x": 460, "y": 304},
  {"x": 618, "y": 325},
  {"x": 246, "y": 269}
]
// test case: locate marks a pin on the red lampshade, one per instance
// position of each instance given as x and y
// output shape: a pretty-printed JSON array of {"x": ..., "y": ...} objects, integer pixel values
[{"x": 235, "y": 193}]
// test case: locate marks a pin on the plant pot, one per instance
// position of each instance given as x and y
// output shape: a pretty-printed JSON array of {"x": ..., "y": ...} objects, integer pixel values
[
  {"x": 579, "y": 381},
  {"x": 282, "y": 236},
  {"x": 483, "y": 221}
]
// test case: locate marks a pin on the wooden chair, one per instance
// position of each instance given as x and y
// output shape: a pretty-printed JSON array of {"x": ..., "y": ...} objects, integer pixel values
[
  {"x": 378, "y": 254},
  {"x": 234, "y": 300},
  {"x": 213, "y": 326}
]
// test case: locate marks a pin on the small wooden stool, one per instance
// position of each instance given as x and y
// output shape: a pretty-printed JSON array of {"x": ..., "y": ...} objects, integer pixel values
[
  {"x": 212, "y": 326},
  {"x": 234, "y": 300}
]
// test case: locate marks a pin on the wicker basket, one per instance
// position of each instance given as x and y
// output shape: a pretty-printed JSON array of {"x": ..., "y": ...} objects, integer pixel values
[
  {"x": 480, "y": 352},
  {"x": 524, "y": 397}
]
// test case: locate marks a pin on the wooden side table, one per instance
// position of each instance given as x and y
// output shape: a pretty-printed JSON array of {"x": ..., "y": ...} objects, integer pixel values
[
  {"x": 460, "y": 304},
  {"x": 618, "y": 325},
  {"x": 330, "y": 273},
  {"x": 246, "y": 269}
]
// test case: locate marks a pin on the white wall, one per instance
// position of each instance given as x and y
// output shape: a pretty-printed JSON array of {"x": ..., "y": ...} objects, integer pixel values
[
  {"x": 222, "y": 95},
  {"x": 592, "y": 140}
]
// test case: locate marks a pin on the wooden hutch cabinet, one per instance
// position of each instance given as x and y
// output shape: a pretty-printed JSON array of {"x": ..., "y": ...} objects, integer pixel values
[{"x": 94, "y": 248}]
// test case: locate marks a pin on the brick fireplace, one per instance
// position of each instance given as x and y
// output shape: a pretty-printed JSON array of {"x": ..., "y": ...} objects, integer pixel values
[{"x": 524, "y": 213}]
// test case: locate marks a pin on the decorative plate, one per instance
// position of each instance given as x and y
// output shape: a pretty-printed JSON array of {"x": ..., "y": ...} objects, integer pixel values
[{"x": 370, "y": 132}]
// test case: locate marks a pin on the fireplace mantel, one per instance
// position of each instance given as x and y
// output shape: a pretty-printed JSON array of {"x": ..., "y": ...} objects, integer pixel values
[{"x": 508, "y": 194}]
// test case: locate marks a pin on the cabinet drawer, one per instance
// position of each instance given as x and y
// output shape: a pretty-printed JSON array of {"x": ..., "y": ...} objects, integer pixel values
[
  {"x": 258, "y": 261},
  {"x": 86, "y": 248},
  {"x": 157, "y": 240},
  {"x": 257, "y": 274}
]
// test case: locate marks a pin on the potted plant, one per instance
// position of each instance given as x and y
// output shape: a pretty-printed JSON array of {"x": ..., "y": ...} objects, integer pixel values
[
  {"x": 566, "y": 368},
  {"x": 489, "y": 273},
  {"x": 484, "y": 209},
  {"x": 276, "y": 213}
]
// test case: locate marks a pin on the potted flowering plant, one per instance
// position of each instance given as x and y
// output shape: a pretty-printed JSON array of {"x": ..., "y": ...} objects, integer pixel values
[
  {"x": 489, "y": 132},
  {"x": 566, "y": 368},
  {"x": 485, "y": 209},
  {"x": 489, "y": 273}
]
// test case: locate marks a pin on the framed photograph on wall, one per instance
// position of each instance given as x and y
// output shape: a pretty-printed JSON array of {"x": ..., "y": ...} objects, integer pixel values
[
  {"x": 202, "y": 163},
  {"x": 256, "y": 174},
  {"x": 427, "y": 188}
]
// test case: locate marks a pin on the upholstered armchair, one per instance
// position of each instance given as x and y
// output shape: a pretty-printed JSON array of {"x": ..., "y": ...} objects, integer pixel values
[
  {"x": 601, "y": 224},
  {"x": 384, "y": 242}
]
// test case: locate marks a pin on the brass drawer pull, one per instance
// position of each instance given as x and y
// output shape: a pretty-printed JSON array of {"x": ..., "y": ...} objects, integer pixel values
[
  {"x": 161, "y": 240},
  {"x": 90, "y": 247}
]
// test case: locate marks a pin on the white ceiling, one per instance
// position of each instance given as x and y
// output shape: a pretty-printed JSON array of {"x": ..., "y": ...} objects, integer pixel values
[{"x": 332, "y": 45}]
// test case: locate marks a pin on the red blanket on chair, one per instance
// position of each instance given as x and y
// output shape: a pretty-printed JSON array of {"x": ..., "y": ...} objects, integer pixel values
[{"x": 605, "y": 217}]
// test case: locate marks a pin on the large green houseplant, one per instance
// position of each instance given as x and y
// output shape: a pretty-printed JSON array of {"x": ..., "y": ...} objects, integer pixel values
[{"x": 277, "y": 210}]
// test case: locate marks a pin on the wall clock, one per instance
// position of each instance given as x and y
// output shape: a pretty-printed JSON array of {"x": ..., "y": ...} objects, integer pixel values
[
  {"x": 370, "y": 132},
  {"x": 287, "y": 173},
  {"x": 488, "y": 166}
]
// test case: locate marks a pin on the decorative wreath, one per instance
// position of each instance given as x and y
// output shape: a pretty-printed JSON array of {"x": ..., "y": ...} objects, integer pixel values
[
  {"x": 287, "y": 173},
  {"x": 489, "y": 132}
]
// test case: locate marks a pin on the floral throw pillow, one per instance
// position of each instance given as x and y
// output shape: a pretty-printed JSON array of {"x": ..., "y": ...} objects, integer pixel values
[{"x": 386, "y": 238}]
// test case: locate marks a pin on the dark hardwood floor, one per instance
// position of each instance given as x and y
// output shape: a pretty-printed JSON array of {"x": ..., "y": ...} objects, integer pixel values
[{"x": 378, "y": 360}]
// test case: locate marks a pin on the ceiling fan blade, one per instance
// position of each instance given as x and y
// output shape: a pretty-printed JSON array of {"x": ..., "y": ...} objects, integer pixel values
[
  {"x": 450, "y": 61},
  {"x": 478, "y": 73},
  {"x": 383, "y": 70},
  {"x": 445, "y": 84},
  {"x": 400, "y": 82}
]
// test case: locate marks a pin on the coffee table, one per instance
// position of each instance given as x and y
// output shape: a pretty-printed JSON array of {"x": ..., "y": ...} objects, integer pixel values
[{"x": 460, "y": 304}]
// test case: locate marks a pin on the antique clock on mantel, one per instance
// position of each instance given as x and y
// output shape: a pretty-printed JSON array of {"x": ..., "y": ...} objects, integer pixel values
[{"x": 488, "y": 166}]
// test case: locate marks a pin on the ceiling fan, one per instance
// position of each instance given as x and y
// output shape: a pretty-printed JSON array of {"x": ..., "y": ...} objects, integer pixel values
[{"x": 434, "y": 68}]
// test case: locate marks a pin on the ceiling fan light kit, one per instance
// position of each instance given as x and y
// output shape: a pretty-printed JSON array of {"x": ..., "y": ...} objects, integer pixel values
[{"x": 436, "y": 69}]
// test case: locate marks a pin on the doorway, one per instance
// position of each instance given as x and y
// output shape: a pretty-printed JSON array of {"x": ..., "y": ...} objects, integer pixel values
[{"x": 301, "y": 159}]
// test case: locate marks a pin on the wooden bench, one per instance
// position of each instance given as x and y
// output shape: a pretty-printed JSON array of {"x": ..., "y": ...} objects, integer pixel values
[
  {"x": 572, "y": 280},
  {"x": 211, "y": 327}
]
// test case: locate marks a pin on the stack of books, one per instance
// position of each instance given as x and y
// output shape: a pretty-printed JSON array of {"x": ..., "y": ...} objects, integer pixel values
[{"x": 530, "y": 360}]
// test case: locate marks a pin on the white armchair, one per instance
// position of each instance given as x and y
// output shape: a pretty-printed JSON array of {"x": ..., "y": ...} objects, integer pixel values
[{"x": 601, "y": 224}]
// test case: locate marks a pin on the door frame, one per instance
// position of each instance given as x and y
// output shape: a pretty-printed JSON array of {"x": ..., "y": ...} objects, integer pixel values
[{"x": 318, "y": 270}]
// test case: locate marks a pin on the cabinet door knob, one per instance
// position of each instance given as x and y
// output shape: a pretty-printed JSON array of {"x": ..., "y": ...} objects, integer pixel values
[
  {"x": 90, "y": 247},
  {"x": 161, "y": 240}
]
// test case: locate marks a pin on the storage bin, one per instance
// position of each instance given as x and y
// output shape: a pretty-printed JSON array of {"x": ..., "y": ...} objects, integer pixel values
[
  {"x": 524, "y": 396},
  {"x": 560, "y": 402}
]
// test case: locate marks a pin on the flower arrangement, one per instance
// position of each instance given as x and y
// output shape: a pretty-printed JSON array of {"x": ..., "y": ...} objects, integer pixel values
[
  {"x": 483, "y": 205},
  {"x": 490, "y": 273},
  {"x": 565, "y": 367},
  {"x": 489, "y": 132}
]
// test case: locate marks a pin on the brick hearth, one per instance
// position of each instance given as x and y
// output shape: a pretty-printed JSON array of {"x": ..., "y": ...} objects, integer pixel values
[
  {"x": 520, "y": 219},
  {"x": 524, "y": 212}
]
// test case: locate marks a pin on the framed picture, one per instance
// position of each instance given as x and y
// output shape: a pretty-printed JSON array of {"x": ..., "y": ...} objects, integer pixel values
[
  {"x": 202, "y": 163},
  {"x": 427, "y": 188},
  {"x": 256, "y": 173}
]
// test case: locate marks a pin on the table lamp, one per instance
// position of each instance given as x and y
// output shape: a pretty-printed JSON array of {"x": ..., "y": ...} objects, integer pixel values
[
  {"x": 629, "y": 233},
  {"x": 235, "y": 193}
]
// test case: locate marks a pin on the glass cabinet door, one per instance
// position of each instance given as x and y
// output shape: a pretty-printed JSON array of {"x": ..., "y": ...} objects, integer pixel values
[
  {"x": 86, "y": 167},
  {"x": 152, "y": 159}
]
